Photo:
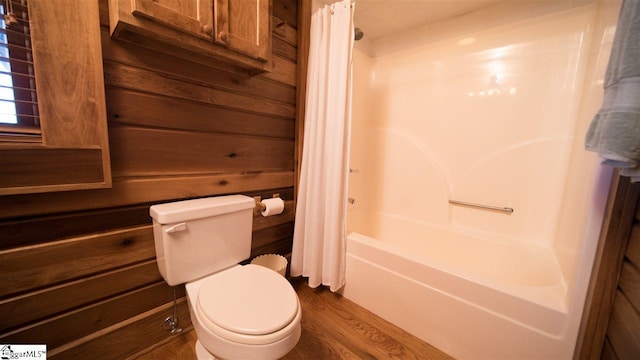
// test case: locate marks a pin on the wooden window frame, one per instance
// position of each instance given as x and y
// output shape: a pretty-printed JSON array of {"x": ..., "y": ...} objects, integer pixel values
[{"x": 73, "y": 152}]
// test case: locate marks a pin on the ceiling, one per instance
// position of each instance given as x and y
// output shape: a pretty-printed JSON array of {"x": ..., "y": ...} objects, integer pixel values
[{"x": 380, "y": 18}]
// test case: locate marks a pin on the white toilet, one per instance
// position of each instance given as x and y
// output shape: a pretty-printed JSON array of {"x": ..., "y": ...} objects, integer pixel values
[{"x": 238, "y": 312}]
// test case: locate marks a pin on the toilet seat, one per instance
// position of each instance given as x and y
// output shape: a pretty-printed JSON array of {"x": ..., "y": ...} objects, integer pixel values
[{"x": 248, "y": 304}]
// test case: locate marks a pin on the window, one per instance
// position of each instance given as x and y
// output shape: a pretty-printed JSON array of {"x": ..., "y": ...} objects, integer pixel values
[{"x": 18, "y": 96}]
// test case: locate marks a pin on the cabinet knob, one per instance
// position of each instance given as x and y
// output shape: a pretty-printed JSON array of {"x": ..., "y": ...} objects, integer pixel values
[
  {"x": 208, "y": 29},
  {"x": 223, "y": 35}
]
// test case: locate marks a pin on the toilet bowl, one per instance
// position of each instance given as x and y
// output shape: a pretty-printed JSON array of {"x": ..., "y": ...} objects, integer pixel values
[
  {"x": 246, "y": 312},
  {"x": 238, "y": 312}
]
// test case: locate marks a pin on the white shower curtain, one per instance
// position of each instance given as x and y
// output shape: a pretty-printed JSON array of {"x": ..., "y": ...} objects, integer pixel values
[{"x": 319, "y": 240}]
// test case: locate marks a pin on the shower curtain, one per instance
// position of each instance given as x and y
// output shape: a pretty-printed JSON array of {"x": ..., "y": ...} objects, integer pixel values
[{"x": 319, "y": 240}]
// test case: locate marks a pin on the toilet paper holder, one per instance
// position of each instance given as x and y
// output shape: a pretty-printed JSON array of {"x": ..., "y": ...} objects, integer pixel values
[{"x": 259, "y": 204}]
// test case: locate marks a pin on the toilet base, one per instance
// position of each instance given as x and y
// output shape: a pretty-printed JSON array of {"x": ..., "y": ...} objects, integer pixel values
[{"x": 202, "y": 353}]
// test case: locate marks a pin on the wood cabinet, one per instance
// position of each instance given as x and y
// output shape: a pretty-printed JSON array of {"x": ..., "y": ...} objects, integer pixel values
[
  {"x": 190, "y": 17},
  {"x": 231, "y": 34},
  {"x": 243, "y": 26}
]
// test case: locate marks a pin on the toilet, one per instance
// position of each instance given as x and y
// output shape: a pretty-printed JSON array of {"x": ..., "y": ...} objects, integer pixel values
[{"x": 238, "y": 311}]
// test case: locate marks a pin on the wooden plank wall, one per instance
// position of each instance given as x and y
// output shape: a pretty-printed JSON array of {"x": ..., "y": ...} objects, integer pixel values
[
  {"x": 78, "y": 268},
  {"x": 623, "y": 332},
  {"x": 614, "y": 281}
]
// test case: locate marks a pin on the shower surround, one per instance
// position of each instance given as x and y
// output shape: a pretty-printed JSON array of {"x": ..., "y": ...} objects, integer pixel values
[{"x": 495, "y": 116}]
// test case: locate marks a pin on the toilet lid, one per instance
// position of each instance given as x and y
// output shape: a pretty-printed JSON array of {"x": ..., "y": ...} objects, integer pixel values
[{"x": 251, "y": 300}]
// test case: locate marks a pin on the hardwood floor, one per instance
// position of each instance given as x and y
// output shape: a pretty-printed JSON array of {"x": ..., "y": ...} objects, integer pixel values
[{"x": 332, "y": 328}]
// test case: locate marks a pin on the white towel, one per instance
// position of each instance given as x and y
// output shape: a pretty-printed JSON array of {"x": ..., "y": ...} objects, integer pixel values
[{"x": 615, "y": 130}]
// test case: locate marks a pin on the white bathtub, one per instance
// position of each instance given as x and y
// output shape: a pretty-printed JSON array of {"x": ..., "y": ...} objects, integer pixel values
[
  {"x": 493, "y": 300},
  {"x": 473, "y": 282}
]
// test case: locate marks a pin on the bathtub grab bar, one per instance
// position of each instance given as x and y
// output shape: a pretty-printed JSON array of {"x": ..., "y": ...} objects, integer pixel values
[{"x": 489, "y": 207}]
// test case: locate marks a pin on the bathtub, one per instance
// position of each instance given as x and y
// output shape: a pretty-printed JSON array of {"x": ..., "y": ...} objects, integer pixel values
[
  {"x": 473, "y": 282},
  {"x": 493, "y": 300}
]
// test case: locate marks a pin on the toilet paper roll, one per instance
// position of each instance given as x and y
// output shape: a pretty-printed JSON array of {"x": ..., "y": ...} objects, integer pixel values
[{"x": 272, "y": 206}]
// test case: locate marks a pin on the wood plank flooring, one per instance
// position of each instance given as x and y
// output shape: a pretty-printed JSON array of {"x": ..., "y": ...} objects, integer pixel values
[{"x": 332, "y": 328}]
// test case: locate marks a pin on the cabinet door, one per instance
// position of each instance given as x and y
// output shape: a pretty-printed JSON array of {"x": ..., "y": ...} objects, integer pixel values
[
  {"x": 244, "y": 26},
  {"x": 188, "y": 16}
]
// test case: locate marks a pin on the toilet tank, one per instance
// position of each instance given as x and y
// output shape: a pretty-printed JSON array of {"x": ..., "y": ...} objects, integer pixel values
[{"x": 195, "y": 238}]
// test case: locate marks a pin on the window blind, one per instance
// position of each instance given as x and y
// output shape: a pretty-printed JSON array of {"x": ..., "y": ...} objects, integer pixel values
[{"x": 18, "y": 97}]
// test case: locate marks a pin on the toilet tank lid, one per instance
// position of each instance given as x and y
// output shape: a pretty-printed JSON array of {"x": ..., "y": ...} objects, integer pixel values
[{"x": 185, "y": 210}]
